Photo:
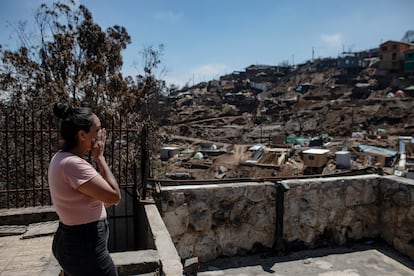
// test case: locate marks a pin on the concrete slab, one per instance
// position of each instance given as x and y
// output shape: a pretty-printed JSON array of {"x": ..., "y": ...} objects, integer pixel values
[
  {"x": 27, "y": 256},
  {"x": 34, "y": 257},
  {"x": 41, "y": 229},
  {"x": 361, "y": 259},
  {"x": 31, "y": 255},
  {"x": 9, "y": 230}
]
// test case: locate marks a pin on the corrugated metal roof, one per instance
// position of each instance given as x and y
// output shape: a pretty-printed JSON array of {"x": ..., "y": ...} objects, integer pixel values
[{"x": 377, "y": 151}]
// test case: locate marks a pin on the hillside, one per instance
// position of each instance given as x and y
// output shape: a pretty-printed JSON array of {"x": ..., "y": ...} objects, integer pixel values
[{"x": 308, "y": 101}]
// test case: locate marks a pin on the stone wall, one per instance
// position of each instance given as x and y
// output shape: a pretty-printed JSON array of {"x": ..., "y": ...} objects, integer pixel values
[
  {"x": 331, "y": 210},
  {"x": 219, "y": 220},
  {"x": 229, "y": 219},
  {"x": 397, "y": 213}
]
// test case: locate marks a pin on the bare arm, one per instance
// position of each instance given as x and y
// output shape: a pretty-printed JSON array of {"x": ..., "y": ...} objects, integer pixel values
[{"x": 104, "y": 186}]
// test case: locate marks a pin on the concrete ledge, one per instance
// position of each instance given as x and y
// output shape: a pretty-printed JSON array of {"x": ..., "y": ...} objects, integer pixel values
[
  {"x": 136, "y": 262},
  {"x": 170, "y": 260},
  {"x": 26, "y": 216}
]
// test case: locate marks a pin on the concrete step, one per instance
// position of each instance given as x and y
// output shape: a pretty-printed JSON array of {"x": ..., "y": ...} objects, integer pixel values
[{"x": 142, "y": 262}]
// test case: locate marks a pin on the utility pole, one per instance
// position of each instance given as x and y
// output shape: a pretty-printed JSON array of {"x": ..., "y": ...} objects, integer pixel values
[{"x": 313, "y": 53}]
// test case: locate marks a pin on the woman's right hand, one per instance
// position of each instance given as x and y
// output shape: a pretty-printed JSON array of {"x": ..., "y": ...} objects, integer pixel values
[
  {"x": 98, "y": 147},
  {"x": 103, "y": 186}
]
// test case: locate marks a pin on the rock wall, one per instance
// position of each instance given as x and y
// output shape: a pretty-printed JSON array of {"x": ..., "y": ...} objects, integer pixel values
[
  {"x": 331, "y": 210},
  {"x": 219, "y": 220},
  {"x": 229, "y": 219},
  {"x": 397, "y": 213}
]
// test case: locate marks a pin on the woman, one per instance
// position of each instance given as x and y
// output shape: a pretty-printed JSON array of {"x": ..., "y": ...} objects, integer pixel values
[{"x": 80, "y": 194}]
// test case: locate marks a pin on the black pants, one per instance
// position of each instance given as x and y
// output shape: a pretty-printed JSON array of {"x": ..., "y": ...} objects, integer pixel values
[{"x": 83, "y": 249}]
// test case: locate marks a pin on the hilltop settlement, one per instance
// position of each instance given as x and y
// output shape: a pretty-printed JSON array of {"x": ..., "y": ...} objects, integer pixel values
[{"x": 350, "y": 114}]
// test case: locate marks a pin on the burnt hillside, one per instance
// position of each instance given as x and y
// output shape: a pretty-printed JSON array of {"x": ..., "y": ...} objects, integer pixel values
[{"x": 311, "y": 99}]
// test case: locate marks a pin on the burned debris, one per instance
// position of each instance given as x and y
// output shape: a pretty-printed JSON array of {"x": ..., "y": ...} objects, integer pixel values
[{"x": 319, "y": 118}]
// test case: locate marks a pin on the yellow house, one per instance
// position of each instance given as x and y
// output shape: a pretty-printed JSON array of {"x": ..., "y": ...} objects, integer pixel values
[{"x": 315, "y": 158}]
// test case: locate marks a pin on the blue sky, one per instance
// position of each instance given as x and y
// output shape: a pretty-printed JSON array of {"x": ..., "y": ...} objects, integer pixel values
[{"x": 206, "y": 39}]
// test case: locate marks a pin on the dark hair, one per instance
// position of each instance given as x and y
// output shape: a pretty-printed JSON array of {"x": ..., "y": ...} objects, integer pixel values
[{"x": 73, "y": 120}]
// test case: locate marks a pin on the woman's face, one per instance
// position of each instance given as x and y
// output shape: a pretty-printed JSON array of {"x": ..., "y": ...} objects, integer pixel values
[{"x": 93, "y": 132}]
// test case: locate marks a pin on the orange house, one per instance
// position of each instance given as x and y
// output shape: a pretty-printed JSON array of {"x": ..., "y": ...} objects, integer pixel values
[{"x": 392, "y": 55}]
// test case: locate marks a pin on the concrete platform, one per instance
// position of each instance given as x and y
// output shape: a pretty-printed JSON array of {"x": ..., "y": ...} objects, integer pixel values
[
  {"x": 376, "y": 259},
  {"x": 21, "y": 255},
  {"x": 32, "y": 256}
]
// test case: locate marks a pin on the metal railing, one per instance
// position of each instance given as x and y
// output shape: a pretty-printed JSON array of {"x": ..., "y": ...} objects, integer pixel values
[{"x": 28, "y": 141}]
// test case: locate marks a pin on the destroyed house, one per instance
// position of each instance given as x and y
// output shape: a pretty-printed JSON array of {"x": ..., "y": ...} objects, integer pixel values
[
  {"x": 377, "y": 156},
  {"x": 350, "y": 61},
  {"x": 254, "y": 71}
]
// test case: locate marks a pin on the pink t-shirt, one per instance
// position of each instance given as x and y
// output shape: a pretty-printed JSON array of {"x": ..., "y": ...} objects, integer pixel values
[{"x": 66, "y": 173}]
